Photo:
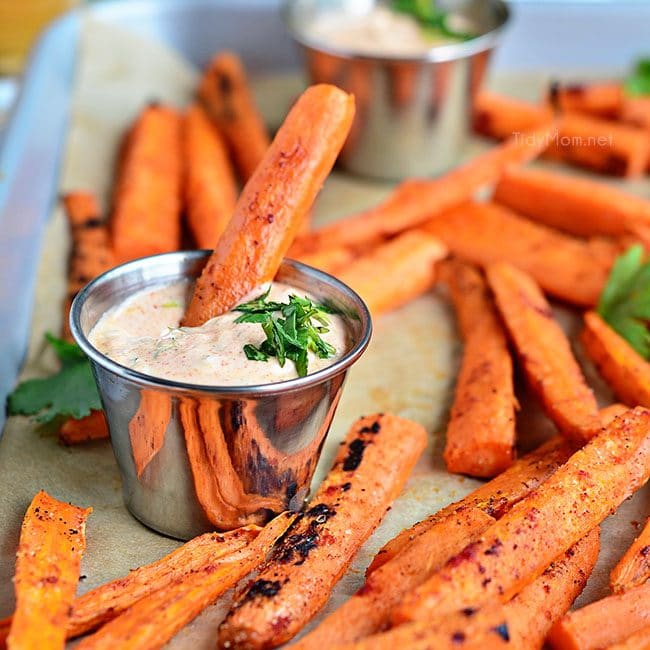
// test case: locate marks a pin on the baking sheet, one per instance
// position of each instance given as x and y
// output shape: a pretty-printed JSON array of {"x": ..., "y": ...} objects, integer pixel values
[{"x": 408, "y": 370}]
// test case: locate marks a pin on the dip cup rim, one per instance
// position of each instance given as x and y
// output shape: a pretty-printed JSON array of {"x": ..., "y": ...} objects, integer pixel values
[
  {"x": 435, "y": 54},
  {"x": 169, "y": 385}
]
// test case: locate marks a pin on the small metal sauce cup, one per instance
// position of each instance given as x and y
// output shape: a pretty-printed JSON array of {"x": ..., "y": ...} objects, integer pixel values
[
  {"x": 413, "y": 114},
  {"x": 200, "y": 458}
]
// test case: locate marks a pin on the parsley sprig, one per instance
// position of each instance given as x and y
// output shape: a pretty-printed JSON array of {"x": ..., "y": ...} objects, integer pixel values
[
  {"x": 432, "y": 20},
  {"x": 292, "y": 330},
  {"x": 625, "y": 301},
  {"x": 638, "y": 82}
]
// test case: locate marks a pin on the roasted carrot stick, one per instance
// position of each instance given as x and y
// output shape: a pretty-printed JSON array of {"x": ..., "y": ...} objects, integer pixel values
[
  {"x": 92, "y": 427},
  {"x": 545, "y": 353},
  {"x": 495, "y": 497},
  {"x": 520, "y": 545},
  {"x": 329, "y": 260},
  {"x": 210, "y": 187},
  {"x": 522, "y": 623},
  {"x": 367, "y": 611},
  {"x": 229, "y": 102},
  {"x": 636, "y": 111},
  {"x": 52, "y": 541},
  {"x": 147, "y": 202},
  {"x": 395, "y": 272},
  {"x": 483, "y": 233},
  {"x": 369, "y": 472},
  {"x": 153, "y": 620},
  {"x": 148, "y": 426},
  {"x": 414, "y": 201},
  {"x": 638, "y": 641},
  {"x": 481, "y": 429},
  {"x": 599, "y": 99},
  {"x": 274, "y": 202},
  {"x": 604, "y": 622},
  {"x": 576, "y": 205},
  {"x": 634, "y": 567},
  {"x": 624, "y": 369}
]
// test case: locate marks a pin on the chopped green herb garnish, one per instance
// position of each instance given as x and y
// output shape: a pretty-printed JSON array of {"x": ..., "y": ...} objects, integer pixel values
[
  {"x": 625, "y": 301},
  {"x": 71, "y": 392},
  {"x": 171, "y": 303},
  {"x": 638, "y": 82},
  {"x": 292, "y": 329},
  {"x": 433, "y": 20}
]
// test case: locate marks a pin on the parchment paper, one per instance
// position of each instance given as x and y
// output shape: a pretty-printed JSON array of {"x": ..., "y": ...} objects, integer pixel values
[{"x": 408, "y": 370}]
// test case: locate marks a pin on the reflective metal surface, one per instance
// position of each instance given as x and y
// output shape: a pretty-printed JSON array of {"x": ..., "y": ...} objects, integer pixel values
[
  {"x": 413, "y": 114},
  {"x": 196, "y": 458}
]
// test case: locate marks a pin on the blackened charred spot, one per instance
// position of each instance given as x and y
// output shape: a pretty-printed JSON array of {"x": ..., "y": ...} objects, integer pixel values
[
  {"x": 645, "y": 551},
  {"x": 92, "y": 222},
  {"x": 375, "y": 427},
  {"x": 346, "y": 486},
  {"x": 457, "y": 638},
  {"x": 270, "y": 218},
  {"x": 469, "y": 611},
  {"x": 262, "y": 588},
  {"x": 298, "y": 545},
  {"x": 502, "y": 631},
  {"x": 237, "y": 419},
  {"x": 320, "y": 513},
  {"x": 494, "y": 548},
  {"x": 291, "y": 491},
  {"x": 355, "y": 455}
]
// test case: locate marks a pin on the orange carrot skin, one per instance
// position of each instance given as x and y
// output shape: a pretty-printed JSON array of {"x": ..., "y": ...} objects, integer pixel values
[
  {"x": 638, "y": 641},
  {"x": 369, "y": 472},
  {"x": 52, "y": 541},
  {"x": 634, "y": 567},
  {"x": 331, "y": 260},
  {"x": 147, "y": 204},
  {"x": 545, "y": 353},
  {"x": 636, "y": 111},
  {"x": 495, "y": 497},
  {"x": 604, "y": 622},
  {"x": 210, "y": 187},
  {"x": 92, "y": 427},
  {"x": 624, "y": 369},
  {"x": 599, "y": 99},
  {"x": 518, "y": 547},
  {"x": 274, "y": 202}
]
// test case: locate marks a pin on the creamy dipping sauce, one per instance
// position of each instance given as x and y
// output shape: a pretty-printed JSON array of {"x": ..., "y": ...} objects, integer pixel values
[{"x": 143, "y": 333}]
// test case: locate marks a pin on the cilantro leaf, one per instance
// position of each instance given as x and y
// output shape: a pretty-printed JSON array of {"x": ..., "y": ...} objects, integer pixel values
[
  {"x": 433, "y": 21},
  {"x": 638, "y": 82},
  {"x": 71, "y": 392},
  {"x": 625, "y": 300}
]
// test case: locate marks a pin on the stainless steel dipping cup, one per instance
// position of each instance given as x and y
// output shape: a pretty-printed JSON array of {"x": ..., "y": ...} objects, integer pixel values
[
  {"x": 200, "y": 458},
  {"x": 413, "y": 114}
]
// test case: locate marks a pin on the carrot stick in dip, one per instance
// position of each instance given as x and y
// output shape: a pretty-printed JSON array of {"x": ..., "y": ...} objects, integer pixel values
[
  {"x": 519, "y": 546},
  {"x": 599, "y": 99},
  {"x": 634, "y": 567},
  {"x": 622, "y": 367},
  {"x": 481, "y": 429},
  {"x": 210, "y": 187},
  {"x": 52, "y": 541},
  {"x": 147, "y": 203},
  {"x": 274, "y": 202},
  {"x": 545, "y": 353},
  {"x": 369, "y": 472}
]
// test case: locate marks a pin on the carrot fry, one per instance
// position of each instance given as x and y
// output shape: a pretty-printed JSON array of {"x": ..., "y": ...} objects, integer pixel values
[
  {"x": 92, "y": 427},
  {"x": 396, "y": 272},
  {"x": 210, "y": 185},
  {"x": 274, "y": 202},
  {"x": 414, "y": 201},
  {"x": 636, "y": 111},
  {"x": 329, "y": 260},
  {"x": 634, "y": 567},
  {"x": 148, "y": 426},
  {"x": 523, "y": 622},
  {"x": 624, "y": 369},
  {"x": 153, "y": 620},
  {"x": 483, "y": 233},
  {"x": 608, "y": 413},
  {"x": 229, "y": 102},
  {"x": 520, "y": 545},
  {"x": 52, "y": 541},
  {"x": 481, "y": 429},
  {"x": 495, "y": 497},
  {"x": 147, "y": 204},
  {"x": 369, "y": 472},
  {"x": 576, "y": 205},
  {"x": 367, "y": 611},
  {"x": 638, "y": 641},
  {"x": 545, "y": 353},
  {"x": 604, "y": 622},
  {"x": 599, "y": 99}
]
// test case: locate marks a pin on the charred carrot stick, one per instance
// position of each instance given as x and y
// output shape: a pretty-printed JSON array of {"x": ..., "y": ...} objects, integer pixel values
[
  {"x": 545, "y": 353},
  {"x": 495, "y": 497},
  {"x": 414, "y": 201},
  {"x": 523, "y": 622},
  {"x": 330, "y": 260},
  {"x": 483, "y": 233},
  {"x": 396, "y": 272},
  {"x": 92, "y": 427},
  {"x": 608, "y": 413},
  {"x": 576, "y": 205},
  {"x": 599, "y": 99},
  {"x": 624, "y": 369},
  {"x": 52, "y": 541},
  {"x": 638, "y": 641},
  {"x": 274, "y": 202},
  {"x": 369, "y": 472},
  {"x": 481, "y": 429},
  {"x": 147, "y": 202},
  {"x": 148, "y": 426},
  {"x": 604, "y": 622},
  {"x": 368, "y": 610},
  {"x": 228, "y": 100},
  {"x": 153, "y": 620},
  {"x": 634, "y": 567},
  {"x": 520, "y": 545},
  {"x": 210, "y": 187}
]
